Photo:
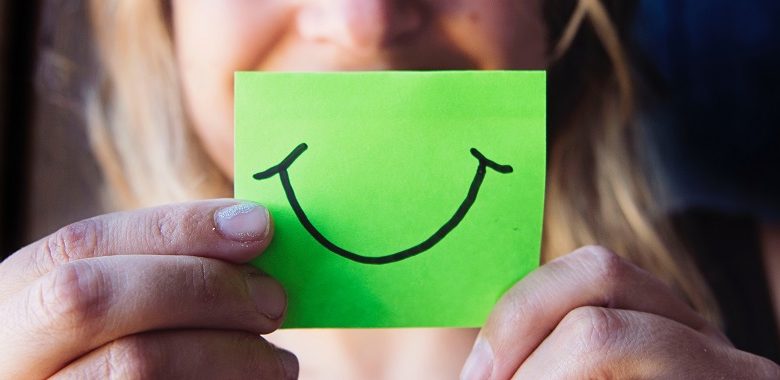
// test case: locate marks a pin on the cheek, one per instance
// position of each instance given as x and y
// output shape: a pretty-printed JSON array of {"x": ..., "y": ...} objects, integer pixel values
[
  {"x": 213, "y": 40},
  {"x": 500, "y": 34}
]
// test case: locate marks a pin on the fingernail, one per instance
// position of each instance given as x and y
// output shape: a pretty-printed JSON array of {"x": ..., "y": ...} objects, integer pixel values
[
  {"x": 268, "y": 295},
  {"x": 479, "y": 365},
  {"x": 244, "y": 222},
  {"x": 289, "y": 364}
]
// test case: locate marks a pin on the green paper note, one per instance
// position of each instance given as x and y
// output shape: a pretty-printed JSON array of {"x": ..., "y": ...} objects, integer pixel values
[{"x": 400, "y": 199}]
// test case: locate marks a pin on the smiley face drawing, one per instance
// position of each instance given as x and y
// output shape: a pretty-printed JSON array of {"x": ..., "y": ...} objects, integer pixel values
[
  {"x": 399, "y": 199},
  {"x": 282, "y": 170}
]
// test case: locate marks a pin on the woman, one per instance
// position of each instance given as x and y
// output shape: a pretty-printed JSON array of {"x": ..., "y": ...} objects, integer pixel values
[{"x": 165, "y": 291}]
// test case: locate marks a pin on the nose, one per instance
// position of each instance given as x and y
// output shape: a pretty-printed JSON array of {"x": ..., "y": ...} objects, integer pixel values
[{"x": 360, "y": 24}]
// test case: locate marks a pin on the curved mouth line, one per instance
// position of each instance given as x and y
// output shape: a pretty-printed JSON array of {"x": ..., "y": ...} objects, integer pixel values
[{"x": 457, "y": 217}]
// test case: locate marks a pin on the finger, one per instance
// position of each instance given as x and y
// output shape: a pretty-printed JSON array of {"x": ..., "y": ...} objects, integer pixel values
[
  {"x": 607, "y": 343},
  {"x": 595, "y": 342},
  {"x": 89, "y": 302},
  {"x": 590, "y": 276},
  {"x": 185, "y": 355},
  {"x": 222, "y": 229}
]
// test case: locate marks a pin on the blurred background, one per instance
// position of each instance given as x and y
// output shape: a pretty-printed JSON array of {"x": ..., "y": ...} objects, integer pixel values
[
  {"x": 49, "y": 177},
  {"x": 712, "y": 75}
]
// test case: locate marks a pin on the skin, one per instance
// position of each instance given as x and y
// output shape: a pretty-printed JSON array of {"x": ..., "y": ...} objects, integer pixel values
[
  {"x": 770, "y": 238},
  {"x": 165, "y": 292},
  {"x": 216, "y": 38}
]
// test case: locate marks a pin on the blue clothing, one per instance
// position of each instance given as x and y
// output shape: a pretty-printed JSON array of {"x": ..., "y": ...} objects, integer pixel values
[{"x": 719, "y": 61}]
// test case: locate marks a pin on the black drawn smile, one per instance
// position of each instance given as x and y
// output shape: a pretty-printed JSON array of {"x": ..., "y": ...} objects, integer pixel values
[{"x": 437, "y": 236}]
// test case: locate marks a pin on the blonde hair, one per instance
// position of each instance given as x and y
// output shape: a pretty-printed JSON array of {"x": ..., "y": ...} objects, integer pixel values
[
  {"x": 137, "y": 122},
  {"x": 596, "y": 195},
  {"x": 598, "y": 192}
]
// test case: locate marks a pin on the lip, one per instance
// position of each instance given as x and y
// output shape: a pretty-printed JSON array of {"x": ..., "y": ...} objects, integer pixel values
[{"x": 281, "y": 169}]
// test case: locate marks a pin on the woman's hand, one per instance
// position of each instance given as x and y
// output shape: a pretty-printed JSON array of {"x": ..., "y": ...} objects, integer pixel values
[
  {"x": 160, "y": 292},
  {"x": 592, "y": 314}
]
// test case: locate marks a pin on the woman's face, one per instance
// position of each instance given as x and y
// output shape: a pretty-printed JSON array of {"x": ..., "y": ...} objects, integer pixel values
[{"x": 215, "y": 38}]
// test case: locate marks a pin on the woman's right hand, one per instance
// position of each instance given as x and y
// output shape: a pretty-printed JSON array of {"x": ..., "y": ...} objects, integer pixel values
[{"x": 162, "y": 292}]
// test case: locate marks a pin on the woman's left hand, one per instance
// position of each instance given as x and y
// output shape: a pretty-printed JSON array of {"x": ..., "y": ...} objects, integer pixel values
[{"x": 591, "y": 314}]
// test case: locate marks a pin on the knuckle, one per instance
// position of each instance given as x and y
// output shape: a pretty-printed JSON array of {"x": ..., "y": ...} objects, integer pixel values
[
  {"x": 171, "y": 225},
  {"x": 164, "y": 228},
  {"x": 128, "y": 358},
  {"x": 607, "y": 267},
  {"x": 74, "y": 241},
  {"x": 75, "y": 297},
  {"x": 250, "y": 344},
  {"x": 204, "y": 280},
  {"x": 256, "y": 352},
  {"x": 591, "y": 330}
]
